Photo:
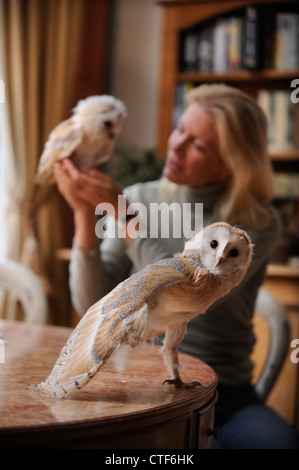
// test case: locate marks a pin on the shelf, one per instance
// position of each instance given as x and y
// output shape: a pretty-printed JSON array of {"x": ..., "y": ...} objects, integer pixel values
[
  {"x": 181, "y": 15},
  {"x": 238, "y": 75},
  {"x": 281, "y": 270},
  {"x": 285, "y": 155}
]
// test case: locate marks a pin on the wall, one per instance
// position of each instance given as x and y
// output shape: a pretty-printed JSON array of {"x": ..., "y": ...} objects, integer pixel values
[{"x": 134, "y": 74}]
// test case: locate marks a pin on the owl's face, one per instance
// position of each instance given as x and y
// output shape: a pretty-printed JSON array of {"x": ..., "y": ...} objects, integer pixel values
[
  {"x": 222, "y": 249},
  {"x": 103, "y": 112}
]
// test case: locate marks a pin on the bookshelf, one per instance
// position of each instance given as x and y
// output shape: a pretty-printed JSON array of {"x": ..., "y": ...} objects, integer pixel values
[
  {"x": 182, "y": 16},
  {"x": 237, "y": 76},
  {"x": 265, "y": 71}
]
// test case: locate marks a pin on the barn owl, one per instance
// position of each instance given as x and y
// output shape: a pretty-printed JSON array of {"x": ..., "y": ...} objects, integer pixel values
[
  {"x": 87, "y": 137},
  {"x": 161, "y": 298}
]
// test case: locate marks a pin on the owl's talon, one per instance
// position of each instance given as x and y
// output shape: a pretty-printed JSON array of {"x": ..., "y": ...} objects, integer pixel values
[{"x": 180, "y": 384}]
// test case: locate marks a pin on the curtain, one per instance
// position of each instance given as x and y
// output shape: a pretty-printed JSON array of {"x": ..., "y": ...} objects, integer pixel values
[{"x": 39, "y": 41}]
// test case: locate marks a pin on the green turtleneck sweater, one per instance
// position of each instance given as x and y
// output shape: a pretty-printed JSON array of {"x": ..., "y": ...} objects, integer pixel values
[{"x": 223, "y": 337}]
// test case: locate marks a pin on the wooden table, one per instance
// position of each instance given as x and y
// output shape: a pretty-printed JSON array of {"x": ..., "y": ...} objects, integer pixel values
[{"x": 125, "y": 406}]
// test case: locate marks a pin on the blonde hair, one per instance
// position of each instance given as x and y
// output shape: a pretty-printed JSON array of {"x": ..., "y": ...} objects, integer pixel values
[{"x": 242, "y": 130}]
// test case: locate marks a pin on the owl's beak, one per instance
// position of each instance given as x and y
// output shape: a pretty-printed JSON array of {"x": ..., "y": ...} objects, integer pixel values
[{"x": 220, "y": 260}]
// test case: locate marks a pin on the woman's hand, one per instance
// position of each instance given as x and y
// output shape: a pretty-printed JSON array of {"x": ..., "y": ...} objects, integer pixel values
[{"x": 84, "y": 190}]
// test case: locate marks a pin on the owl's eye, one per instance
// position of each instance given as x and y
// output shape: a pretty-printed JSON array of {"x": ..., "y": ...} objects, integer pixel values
[
  {"x": 234, "y": 253},
  {"x": 214, "y": 244}
]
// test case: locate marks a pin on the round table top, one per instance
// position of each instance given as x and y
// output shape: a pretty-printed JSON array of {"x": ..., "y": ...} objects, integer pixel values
[{"x": 130, "y": 384}]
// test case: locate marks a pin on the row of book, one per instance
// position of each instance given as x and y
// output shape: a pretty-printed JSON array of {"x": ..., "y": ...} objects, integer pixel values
[
  {"x": 286, "y": 185},
  {"x": 283, "y": 119},
  {"x": 180, "y": 104},
  {"x": 286, "y": 52},
  {"x": 281, "y": 109},
  {"x": 253, "y": 38}
]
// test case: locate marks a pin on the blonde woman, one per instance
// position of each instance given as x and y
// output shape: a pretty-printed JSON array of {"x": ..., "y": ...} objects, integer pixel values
[{"x": 217, "y": 156}]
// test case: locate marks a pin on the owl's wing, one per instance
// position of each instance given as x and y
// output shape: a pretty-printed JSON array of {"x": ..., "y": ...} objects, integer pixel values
[
  {"x": 61, "y": 143},
  {"x": 120, "y": 317}
]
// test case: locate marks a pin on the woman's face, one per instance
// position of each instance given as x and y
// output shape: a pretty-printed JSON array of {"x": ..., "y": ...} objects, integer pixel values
[{"x": 193, "y": 156}]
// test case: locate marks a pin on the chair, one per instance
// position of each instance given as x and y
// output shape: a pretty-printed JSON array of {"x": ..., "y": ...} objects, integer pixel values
[
  {"x": 275, "y": 314},
  {"x": 25, "y": 286}
]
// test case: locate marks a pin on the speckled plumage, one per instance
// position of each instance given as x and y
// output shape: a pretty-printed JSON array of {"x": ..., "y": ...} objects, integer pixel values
[
  {"x": 162, "y": 297},
  {"x": 87, "y": 137}
]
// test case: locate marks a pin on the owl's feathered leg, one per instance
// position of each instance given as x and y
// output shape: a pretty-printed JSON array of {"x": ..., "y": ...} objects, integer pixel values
[{"x": 173, "y": 337}]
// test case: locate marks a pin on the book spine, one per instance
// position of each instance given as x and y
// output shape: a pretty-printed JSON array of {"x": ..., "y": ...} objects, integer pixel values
[
  {"x": 220, "y": 55},
  {"x": 265, "y": 101},
  {"x": 234, "y": 46},
  {"x": 282, "y": 117},
  {"x": 180, "y": 101},
  {"x": 279, "y": 41},
  {"x": 205, "y": 49},
  {"x": 189, "y": 54},
  {"x": 253, "y": 43},
  {"x": 255, "y": 39}
]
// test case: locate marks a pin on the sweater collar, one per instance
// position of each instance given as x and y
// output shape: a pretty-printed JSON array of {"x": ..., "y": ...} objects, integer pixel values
[{"x": 208, "y": 195}]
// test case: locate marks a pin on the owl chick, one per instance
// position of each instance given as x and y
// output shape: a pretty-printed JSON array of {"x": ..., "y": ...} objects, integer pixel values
[
  {"x": 87, "y": 137},
  {"x": 162, "y": 297}
]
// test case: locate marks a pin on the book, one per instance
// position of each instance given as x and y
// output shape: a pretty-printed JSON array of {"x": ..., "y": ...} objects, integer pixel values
[
  {"x": 234, "y": 27},
  {"x": 286, "y": 185},
  {"x": 282, "y": 117},
  {"x": 269, "y": 38},
  {"x": 291, "y": 42},
  {"x": 253, "y": 47},
  {"x": 286, "y": 53},
  {"x": 253, "y": 38},
  {"x": 266, "y": 102},
  {"x": 220, "y": 52},
  {"x": 205, "y": 49},
  {"x": 296, "y": 126},
  {"x": 180, "y": 101},
  {"x": 280, "y": 120},
  {"x": 189, "y": 51}
]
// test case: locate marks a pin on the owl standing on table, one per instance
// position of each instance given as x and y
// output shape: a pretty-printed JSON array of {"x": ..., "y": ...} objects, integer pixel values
[
  {"x": 162, "y": 297},
  {"x": 87, "y": 137}
]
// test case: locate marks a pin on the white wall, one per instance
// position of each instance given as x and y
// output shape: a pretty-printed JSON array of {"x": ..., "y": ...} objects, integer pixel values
[{"x": 135, "y": 67}]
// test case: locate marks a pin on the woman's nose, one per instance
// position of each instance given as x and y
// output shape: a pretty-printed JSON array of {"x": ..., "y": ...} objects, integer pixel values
[{"x": 179, "y": 142}]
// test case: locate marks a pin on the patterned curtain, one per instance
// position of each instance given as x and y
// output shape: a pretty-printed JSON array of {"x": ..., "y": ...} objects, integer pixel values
[{"x": 39, "y": 41}]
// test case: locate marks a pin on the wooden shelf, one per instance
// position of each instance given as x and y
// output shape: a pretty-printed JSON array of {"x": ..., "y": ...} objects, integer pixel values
[
  {"x": 287, "y": 155},
  {"x": 178, "y": 16},
  {"x": 238, "y": 75},
  {"x": 281, "y": 270}
]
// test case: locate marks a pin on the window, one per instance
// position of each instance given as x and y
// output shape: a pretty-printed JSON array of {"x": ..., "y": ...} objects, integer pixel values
[{"x": 2, "y": 165}]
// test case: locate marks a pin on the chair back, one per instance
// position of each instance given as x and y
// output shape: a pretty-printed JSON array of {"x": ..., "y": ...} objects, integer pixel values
[
  {"x": 275, "y": 314},
  {"x": 25, "y": 287}
]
